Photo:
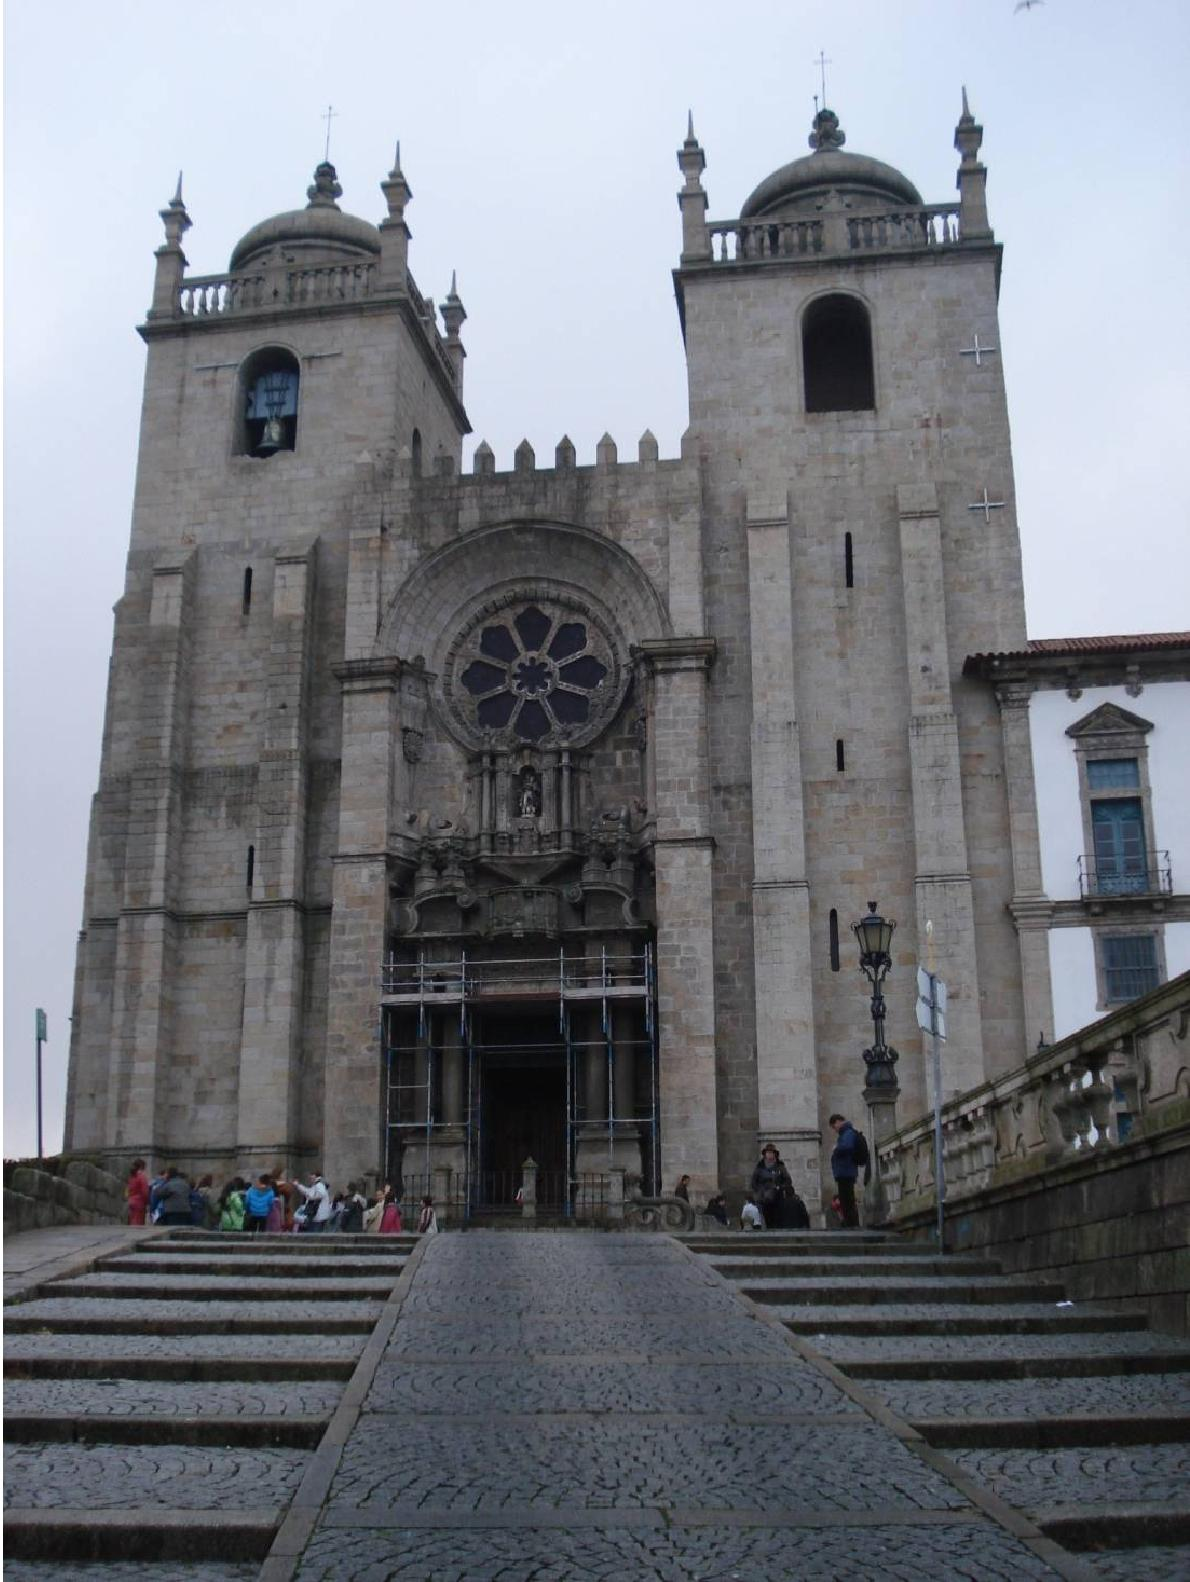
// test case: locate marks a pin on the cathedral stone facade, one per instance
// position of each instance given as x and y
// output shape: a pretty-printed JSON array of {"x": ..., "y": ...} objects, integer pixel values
[{"x": 445, "y": 819}]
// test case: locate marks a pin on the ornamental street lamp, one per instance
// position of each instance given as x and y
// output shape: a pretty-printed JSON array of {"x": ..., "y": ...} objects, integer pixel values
[{"x": 874, "y": 934}]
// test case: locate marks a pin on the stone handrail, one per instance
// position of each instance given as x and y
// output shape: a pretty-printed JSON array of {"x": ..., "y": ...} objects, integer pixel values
[
  {"x": 1124, "y": 1077},
  {"x": 834, "y": 231}
]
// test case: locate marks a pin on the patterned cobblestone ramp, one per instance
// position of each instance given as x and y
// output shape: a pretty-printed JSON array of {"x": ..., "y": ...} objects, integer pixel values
[
  {"x": 1077, "y": 1418},
  {"x": 598, "y": 1407},
  {"x": 162, "y": 1408}
]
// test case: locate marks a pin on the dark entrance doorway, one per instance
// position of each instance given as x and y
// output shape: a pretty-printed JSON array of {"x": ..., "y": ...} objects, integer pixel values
[{"x": 523, "y": 1106}]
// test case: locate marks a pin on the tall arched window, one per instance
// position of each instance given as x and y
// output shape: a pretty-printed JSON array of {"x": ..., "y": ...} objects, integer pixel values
[
  {"x": 837, "y": 356},
  {"x": 269, "y": 383}
]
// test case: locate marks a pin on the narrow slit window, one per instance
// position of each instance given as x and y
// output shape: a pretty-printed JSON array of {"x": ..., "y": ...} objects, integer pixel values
[
  {"x": 834, "y": 939},
  {"x": 840, "y": 757},
  {"x": 251, "y": 867},
  {"x": 848, "y": 561},
  {"x": 247, "y": 599},
  {"x": 415, "y": 451}
]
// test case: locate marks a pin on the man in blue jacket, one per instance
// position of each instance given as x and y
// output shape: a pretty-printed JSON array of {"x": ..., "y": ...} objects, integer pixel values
[{"x": 845, "y": 1169}]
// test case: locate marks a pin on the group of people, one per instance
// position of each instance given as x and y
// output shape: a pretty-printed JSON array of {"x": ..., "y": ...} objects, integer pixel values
[
  {"x": 272, "y": 1202},
  {"x": 773, "y": 1202}
]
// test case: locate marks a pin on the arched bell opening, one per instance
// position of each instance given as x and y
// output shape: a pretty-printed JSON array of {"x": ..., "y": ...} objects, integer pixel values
[{"x": 268, "y": 405}]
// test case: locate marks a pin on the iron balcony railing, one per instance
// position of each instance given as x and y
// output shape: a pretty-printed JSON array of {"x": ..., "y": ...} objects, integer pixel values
[{"x": 1125, "y": 876}]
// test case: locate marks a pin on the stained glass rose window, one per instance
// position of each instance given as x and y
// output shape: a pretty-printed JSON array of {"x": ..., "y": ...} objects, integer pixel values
[{"x": 534, "y": 672}]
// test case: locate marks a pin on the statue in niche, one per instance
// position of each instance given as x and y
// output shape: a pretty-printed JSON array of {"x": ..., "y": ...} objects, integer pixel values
[{"x": 529, "y": 799}]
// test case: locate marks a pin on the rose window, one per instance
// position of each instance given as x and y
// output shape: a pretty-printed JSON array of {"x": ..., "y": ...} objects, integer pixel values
[{"x": 534, "y": 674}]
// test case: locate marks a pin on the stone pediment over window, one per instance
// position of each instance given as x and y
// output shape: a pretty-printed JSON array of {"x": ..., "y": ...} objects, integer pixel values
[{"x": 1109, "y": 720}]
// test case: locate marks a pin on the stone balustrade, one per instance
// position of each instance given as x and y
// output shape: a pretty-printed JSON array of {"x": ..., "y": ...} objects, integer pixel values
[
  {"x": 315, "y": 285},
  {"x": 834, "y": 231},
  {"x": 1122, "y": 1079},
  {"x": 200, "y": 296}
]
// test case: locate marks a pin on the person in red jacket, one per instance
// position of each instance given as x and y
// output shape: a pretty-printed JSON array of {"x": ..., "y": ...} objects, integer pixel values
[{"x": 136, "y": 1191}]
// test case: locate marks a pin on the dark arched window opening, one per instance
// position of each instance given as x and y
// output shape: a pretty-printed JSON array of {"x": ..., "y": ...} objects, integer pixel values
[
  {"x": 834, "y": 940},
  {"x": 837, "y": 356},
  {"x": 848, "y": 561},
  {"x": 415, "y": 448},
  {"x": 269, "y": 381}
]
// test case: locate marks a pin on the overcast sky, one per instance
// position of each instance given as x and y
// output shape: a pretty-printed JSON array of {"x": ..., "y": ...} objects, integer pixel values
[{"x": 539, "y": 141}]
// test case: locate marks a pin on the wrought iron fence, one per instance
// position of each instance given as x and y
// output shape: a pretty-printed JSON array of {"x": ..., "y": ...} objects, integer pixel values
[{"x": 1139, "y": 875}]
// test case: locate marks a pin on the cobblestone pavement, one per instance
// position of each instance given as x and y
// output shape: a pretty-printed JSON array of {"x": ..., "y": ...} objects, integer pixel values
[
  {"x": 1118, "y": 1474},
  {"x": 888, "y": 1312},
  {"x": 554, "y": 1408},
  {"x": 180, "y": 1477},
  {"x": 148, "y": 1397},
  {"x": 1111, "y": 1395}
]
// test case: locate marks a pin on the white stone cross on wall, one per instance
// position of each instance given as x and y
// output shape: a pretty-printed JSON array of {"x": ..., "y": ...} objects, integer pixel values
[
  {"x": 977, "y": 351},
  {"x": 986, "y": 506}
]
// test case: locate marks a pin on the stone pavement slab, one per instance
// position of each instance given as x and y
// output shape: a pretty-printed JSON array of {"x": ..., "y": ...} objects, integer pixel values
[
  {"x": 594, "y": 1405},
  {"x": 1150, "y": 1563},
  {"x": 31, "y": 1256}
]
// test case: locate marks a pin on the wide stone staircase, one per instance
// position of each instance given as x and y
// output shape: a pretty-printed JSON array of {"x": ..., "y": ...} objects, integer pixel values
[
  {"x": 161, "y": 1410},
  {"x": 1078, "y": 1417}
]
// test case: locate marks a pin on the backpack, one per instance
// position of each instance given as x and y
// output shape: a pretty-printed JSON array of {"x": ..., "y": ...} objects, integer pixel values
[
  {"x": 353, "y": 1215},
  {"x": 863, "y": 1157}
]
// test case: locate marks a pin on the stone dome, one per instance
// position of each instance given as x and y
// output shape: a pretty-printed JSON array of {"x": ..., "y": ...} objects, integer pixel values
[
  {"x": 318, "y": 234},
  {"x": 804, "y": 183}
]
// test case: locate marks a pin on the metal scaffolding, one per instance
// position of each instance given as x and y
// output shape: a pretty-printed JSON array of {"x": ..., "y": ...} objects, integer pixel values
[{"x": 434, "y": 1055}]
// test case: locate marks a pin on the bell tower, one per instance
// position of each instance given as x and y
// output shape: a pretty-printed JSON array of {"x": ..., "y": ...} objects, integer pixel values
[{"x": 859, "y": 532}]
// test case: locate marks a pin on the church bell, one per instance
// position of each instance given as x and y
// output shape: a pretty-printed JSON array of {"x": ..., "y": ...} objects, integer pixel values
[{"x": 273, "y": 435}]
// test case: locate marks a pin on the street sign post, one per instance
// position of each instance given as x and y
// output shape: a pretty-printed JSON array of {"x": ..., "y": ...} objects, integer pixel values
[{"x": 931, "y": 1018}]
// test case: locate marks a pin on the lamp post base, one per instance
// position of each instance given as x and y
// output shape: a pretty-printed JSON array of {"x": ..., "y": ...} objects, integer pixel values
[{"x": 881, "y": 1093}]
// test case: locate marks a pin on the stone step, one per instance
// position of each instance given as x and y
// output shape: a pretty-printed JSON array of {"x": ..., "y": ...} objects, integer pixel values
[
  {"x": 101, "y": 1316},
  {"x": 1105, "y": 1479},
  {"x": 1055, "y": 1433},
  {"x": 141, "y": 1534},
  {"x": 296, "y": 1430},
  {"x": 262, "y": 1369},
  {"x": 1116, "y": 1526},
  {"x": 868, "y": 1268},
  {"x": 982, "y": 1293},
  {"x": 274, "y": 1267},
  {"x": 244, "y": 1244},
  {"x": 202, "y": 1288},
  {"x": 167, "y": 1476},
  {"x": 133, "y": 1571},
  {"x": 1023, "y": 1318},
  {"x": 813, "y": 1243},
  {"x": 1051, "y": 1347},
  {"x": 104, "y": 1403},
  {"x": 250, "y": 1243},
  {"x": 976, "y": 1366},
  {"x": 212, "y": 1347},
  {"x": 1073, "y": 1398}
]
